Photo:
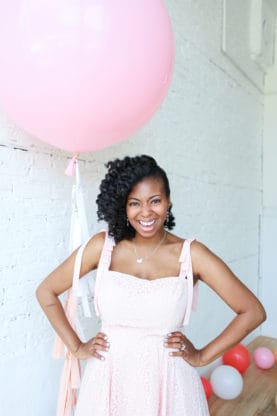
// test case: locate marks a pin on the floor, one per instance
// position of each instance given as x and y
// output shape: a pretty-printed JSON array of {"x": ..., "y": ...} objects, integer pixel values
[{"x": 259, "y": 395}]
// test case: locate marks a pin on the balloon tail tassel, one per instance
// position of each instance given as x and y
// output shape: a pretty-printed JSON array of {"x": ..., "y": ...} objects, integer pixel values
[{"x": 71, "y": 168}]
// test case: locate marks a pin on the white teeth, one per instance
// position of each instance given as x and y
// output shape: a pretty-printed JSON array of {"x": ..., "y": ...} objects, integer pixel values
[{"x": 147, "y": 223}]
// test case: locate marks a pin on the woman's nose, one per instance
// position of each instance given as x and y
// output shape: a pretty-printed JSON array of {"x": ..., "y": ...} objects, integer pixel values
[{"x": 145, "y": 210}]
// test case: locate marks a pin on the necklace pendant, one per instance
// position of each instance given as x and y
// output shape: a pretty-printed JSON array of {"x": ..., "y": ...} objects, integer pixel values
[{"x": 139, "y": 260}]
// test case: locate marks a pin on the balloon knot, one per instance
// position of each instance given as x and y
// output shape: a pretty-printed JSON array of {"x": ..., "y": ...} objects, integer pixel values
[{"x": 71, "y": 168}]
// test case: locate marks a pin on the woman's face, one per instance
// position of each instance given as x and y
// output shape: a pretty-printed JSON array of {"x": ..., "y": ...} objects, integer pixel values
[{"x": 147, "y": 206}]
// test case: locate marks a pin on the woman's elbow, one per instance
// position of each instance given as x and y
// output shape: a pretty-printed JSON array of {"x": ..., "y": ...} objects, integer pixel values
[
  {"x": 39, "y": 293},
  {"x": 42, "y": 293},
  {"x": 259, "y": 314},
  {"x": 262, "y": 314}
]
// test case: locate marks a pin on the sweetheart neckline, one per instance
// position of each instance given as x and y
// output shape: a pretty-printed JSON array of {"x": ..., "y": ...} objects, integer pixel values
[{"x": 145, "y": 280}]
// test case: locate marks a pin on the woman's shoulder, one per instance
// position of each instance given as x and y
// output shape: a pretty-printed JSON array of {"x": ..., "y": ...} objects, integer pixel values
[
  {"x": 175, "y": 243},
  {"x": 98, "y": 238},
  {"x": 203, "y": 258},
  {"x": 177, "y": 240},
  {"x": 197, "y": 248},
  {"x": 174, "y": 240},
  {"x": 96, "y": 243}
]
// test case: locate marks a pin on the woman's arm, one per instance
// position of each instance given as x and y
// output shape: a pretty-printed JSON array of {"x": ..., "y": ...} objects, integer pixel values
[
  {"x": 249, "y": 311},
  {"x": 58, "y": 282}
]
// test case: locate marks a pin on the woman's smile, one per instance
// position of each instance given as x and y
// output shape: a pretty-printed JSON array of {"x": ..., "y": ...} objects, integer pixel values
[{"x": 146, "y": 223}]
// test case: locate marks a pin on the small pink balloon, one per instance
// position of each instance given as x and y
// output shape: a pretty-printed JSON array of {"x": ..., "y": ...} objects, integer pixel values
[
  {"x": 82, "y": 74},
  {"x": 264, "y": 358}
]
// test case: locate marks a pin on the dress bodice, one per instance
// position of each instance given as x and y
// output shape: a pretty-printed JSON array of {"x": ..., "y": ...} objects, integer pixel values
[{"x": 126, "y": 300}]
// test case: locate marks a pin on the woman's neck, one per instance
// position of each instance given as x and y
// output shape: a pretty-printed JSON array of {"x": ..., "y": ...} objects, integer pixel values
[{"x": 140, "y": 240}]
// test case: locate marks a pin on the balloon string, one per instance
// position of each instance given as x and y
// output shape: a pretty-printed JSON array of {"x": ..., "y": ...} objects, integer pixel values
[{"x": 71, "y": 168}]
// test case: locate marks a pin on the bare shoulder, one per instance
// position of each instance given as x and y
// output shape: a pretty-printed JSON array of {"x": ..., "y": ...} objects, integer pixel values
[
  {"x": 175, "y": 243},
  {"x": 94, "y": 248},
  {"x": 204, "y": 260},
  {"x": 199, "y": 249},
  {"x": 60, "y": 279},
  {"x": 97, "y": 241}
]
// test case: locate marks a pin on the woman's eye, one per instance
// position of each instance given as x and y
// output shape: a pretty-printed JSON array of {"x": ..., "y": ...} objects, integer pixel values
[
  {"x": 156, "y": 201},
  {"x": 133, "y": 204}
]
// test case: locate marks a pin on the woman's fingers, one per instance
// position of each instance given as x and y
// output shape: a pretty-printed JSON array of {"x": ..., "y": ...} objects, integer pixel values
[
  {"x": 175, "y": 334},
  {"x": 185, "y": 349},
  {"x": 99, "y": 343},
  {"x": 177, "y": 344},
  {"x": 92, "y": 347},
  {"x": 175, "y": 340},
  {"x": 182, "y": 354},
  {"x": 101, "y": 335},
  {"x": 97, "y": 355}
]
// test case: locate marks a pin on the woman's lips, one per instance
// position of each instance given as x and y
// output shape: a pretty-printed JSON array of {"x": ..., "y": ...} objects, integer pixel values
[{"x": 147, "y": 225}]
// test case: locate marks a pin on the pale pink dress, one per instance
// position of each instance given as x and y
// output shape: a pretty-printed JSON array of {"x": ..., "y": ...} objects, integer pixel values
[{"x": 138, "y": 377}]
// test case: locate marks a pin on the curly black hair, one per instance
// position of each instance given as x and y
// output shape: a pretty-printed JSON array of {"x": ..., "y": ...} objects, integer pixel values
[{"x": 122, "y": 176}]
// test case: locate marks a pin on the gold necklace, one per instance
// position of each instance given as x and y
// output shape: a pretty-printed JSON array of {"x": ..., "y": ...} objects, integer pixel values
[{"x": 142, "y": 259}]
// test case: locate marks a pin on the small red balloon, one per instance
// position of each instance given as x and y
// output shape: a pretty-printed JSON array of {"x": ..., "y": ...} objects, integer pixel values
[
  {"x": 207, "y": 386},
  {"x": 238, "y": 357}
]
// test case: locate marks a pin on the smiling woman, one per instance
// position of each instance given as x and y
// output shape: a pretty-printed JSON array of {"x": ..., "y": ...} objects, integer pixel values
[
  {"x": 142, "y": 363},
  {"x": 121, "y": 194}
]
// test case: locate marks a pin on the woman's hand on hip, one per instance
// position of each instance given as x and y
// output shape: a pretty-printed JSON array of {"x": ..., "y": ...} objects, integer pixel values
[
  {"x": 92, "y": 347},
  {"x": 186, "y": 350}
]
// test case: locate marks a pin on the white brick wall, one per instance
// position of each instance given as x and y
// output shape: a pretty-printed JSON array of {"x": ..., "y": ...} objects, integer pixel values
[
  {"x": 269, "y": 217},
  {"x": 207, "y": 135}
]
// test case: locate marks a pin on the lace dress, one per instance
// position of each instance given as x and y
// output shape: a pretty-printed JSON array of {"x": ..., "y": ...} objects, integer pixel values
[{"x": 138, "y": 376}]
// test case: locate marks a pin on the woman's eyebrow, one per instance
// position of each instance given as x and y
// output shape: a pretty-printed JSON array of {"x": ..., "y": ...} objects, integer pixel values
[
  {"x": 137, "y": 199},
  {"x": 155, "y": 196}
]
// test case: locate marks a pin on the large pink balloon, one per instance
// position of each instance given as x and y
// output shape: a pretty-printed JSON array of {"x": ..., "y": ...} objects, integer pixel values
[{"x": 84, "y": 74}]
